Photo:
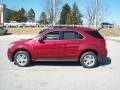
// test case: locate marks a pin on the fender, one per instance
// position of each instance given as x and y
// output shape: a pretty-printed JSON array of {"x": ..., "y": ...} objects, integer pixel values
[
  {"x": 25, "y": 47},
  {"x": 93, "y": 47}
]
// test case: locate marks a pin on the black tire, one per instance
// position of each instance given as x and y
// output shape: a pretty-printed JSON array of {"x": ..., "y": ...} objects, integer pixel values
[
  {"x": 5, "y": 33},
  {"x": 89, "y": 60},
  {"x": 22, "y": 59}
]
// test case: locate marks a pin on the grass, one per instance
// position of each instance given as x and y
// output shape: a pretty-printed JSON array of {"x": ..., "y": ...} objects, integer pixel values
[
  {"x": 25, "y": 31},
  {"x": 111, "y": 32},
  {"x": 35, "y": 30}
]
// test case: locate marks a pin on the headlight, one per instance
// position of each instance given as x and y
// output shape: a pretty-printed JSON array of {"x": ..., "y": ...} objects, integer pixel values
[{"x": 10, "y": 45}]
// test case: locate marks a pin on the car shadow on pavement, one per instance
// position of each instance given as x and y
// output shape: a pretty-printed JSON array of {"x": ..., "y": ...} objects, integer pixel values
[
  {"x": 6, "y": 34},
  {"x": 55, "y": 63},
  {"x": 105, "y": 62}
]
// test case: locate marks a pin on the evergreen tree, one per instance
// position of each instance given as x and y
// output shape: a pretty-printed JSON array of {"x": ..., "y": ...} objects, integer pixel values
[
  {"x": 64, "y": 14},
  {"x": 43, "y": 18},
  {"x": 31, "y": 15},
  {"x": 23, "y": 11},
  {"x": 76, "y": 15},
  {"x": 18, "y": 16},
  {"x": 68, "y": 20},
  {"x": 21, "y": 15},
  {"x": 13, "y": 16}
]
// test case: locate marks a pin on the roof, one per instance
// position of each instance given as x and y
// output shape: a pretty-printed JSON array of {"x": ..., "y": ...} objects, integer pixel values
[{"x": 70, "y": 28}]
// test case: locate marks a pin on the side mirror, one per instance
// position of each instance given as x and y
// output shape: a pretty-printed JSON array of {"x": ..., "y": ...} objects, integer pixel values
[{"x": 41, "y": 40}]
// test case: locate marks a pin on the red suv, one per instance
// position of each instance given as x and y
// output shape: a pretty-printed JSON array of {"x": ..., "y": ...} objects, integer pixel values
[{"x": 60, "y": 44}]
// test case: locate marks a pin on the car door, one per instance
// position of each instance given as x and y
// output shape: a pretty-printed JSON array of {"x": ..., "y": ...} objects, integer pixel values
[
  {"x": 72, "y": 42},
  {"x": 48, "y": 47}
]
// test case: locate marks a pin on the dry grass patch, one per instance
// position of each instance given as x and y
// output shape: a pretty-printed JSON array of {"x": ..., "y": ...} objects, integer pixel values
[
  {"x": 25, "y": 31},
  {"x": 36, "y": 30},
  {"x": 110, "y": 31}
]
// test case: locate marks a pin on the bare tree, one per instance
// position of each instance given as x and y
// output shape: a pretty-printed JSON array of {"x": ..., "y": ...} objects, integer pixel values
[
  {"x": 91, "y": 13},
  {"x": 49, "y": 8}
]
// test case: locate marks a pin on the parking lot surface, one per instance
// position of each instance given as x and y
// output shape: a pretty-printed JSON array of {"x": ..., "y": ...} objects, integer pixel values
[{"x": 60, "y": 75}]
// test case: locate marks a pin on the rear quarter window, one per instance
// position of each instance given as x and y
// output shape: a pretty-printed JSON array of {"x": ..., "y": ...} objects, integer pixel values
[{"x": 95, "y": 34}]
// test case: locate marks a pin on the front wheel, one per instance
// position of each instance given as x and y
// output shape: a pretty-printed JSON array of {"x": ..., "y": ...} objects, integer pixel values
[
  {"x": 22, "y": 58},
  {"x": 88, "y": 60}
]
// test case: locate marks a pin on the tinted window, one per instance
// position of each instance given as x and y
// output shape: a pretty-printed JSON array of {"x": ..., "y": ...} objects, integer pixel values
[
  {"x": 80, "y": 36},
  {"x": 52, "y": 36},
  {"x": 67, "y": 35},
  {"x": 95, "y": 34}
]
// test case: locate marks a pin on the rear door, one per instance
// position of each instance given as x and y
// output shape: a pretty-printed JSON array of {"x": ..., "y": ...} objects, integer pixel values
[{"x": 71, "y": 40}]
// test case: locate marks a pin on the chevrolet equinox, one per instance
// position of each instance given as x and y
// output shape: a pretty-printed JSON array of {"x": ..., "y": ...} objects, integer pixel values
[{"x": 60, "y": 44}]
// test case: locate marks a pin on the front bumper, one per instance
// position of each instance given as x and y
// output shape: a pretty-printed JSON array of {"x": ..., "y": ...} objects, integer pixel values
[{"x": 10, "y": 54}]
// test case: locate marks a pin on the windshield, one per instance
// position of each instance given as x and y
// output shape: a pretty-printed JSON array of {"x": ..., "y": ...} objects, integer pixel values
[{"x": 42, "y": 31}]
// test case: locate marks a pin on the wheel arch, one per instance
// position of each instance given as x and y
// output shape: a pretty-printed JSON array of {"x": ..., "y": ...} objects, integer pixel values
[
  {"x": 88, "y": 50},
  {"x": 21, "y": 50}
]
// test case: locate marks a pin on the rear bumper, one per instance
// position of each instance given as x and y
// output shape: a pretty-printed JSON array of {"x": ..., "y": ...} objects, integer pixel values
[{"x": 103, "y": 54}]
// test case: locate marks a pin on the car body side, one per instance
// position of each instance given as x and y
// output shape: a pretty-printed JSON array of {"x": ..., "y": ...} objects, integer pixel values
[{"x": 32, "y": 46}]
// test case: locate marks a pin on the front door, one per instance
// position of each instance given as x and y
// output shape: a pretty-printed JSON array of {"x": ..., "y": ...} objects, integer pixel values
[{"x": 48, "y": 48}]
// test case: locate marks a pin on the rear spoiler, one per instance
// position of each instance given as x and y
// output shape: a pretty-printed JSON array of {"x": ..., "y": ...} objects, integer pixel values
[{"x": 99, "y": 29}]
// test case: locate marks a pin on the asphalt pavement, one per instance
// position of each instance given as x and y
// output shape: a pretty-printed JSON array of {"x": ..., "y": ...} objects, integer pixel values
[{"x": 60, "y": 75}]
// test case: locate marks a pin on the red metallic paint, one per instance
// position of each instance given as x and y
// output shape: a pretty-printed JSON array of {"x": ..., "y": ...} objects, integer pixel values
[{"x": 60, "y": 48}]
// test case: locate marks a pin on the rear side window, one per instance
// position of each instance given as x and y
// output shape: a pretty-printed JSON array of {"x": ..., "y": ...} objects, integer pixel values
[
  {"x": 68, "y": 35},
  {"x": 95, "y": 34}
]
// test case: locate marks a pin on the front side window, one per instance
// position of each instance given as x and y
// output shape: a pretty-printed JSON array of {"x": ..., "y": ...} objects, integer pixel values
[
  {"x": 69, "y": 35},
  {"x": 52, "y": 36}
]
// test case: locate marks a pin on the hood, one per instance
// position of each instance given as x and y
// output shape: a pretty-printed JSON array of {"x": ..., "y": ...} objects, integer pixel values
[{"x": 22, "y": 40}]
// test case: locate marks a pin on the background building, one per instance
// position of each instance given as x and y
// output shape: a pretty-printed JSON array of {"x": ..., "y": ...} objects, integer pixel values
[{"x": 4, "y": 14}]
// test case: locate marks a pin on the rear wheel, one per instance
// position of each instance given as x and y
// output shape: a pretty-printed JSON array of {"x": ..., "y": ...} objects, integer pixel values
[
  {"x": 22, "y": 58},
  {"x": 88, "y": 60}
]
